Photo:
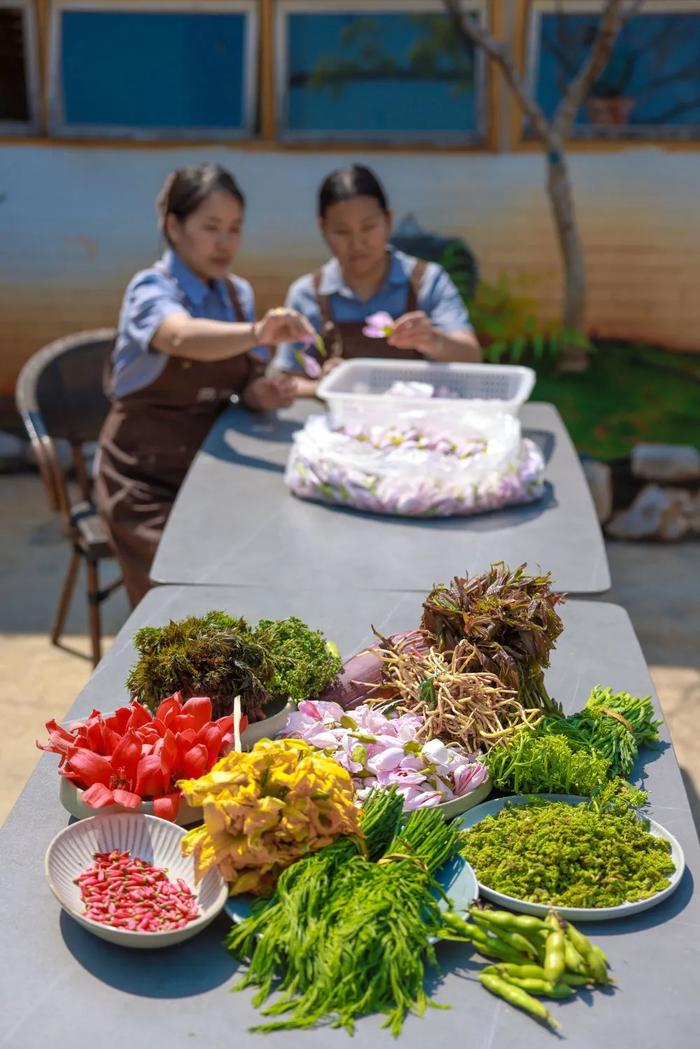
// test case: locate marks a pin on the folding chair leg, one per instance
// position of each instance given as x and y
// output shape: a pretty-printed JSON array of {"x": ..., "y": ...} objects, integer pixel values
[
  {"x": 65, "y": 598},
  {"x": 94, "y": 597}
]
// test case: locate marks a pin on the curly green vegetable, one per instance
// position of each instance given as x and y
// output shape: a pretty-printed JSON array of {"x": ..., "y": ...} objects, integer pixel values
[
  {"x": 599, "y": 854},
  {"x": 304, "y": 662}
]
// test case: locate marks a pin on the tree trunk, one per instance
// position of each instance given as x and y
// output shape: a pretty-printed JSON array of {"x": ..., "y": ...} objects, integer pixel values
[{"x": 562, "y": 201}]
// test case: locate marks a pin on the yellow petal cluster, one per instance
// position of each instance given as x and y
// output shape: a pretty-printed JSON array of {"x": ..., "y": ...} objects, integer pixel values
[{"x": 266, "y": 808}]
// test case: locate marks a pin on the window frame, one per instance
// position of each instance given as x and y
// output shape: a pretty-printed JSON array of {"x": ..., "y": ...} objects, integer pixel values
[
  {"x": 593, "y": 135},
  {"x": 58, "y": 127},
  {"x": 479, "y": 138},
  {"x": 32, "y": 77}
]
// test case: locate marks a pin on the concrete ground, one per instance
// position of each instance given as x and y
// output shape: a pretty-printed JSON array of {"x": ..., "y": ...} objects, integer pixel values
[{"x": 657, "y": 584}]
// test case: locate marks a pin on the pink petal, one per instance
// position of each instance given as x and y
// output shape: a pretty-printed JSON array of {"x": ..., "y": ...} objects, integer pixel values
[
  {"x": 166, "y": 807},
  {"x": 198, "y": 707},
  {"x": 98, "y": 796},
  {"x": 149, "y": 777},
  {"x": 127, "y": 798},
  {"x": 309, "y": 364},
  {"x": 92, "y": 768},
  {"x": 381, "y": 319}
]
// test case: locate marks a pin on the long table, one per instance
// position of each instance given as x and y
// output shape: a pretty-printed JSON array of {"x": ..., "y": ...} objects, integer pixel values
[
  {"x": 235, "y": 522},
  {"x": 61, "y": 985}
]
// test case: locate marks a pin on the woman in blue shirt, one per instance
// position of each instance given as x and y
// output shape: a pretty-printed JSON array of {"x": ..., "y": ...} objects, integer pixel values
[
  {"x": 367, "y": 276},
  {"x": 187, "y": 342}
]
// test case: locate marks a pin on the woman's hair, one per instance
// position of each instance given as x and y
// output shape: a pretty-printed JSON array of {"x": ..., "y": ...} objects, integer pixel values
[
  {"x": 346, "y": 183},
  {"x": 185, "y": 189}
]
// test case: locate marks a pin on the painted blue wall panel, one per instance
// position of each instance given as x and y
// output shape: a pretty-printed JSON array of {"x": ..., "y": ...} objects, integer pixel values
[
  {"x": 655, "y": 64},
  {"x": 152, "y": 69},
  {"x": 380, "y": 72}
]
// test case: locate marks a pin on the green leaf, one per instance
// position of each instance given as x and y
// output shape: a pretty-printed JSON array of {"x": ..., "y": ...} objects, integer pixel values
[{"x": 518, "y": 347}]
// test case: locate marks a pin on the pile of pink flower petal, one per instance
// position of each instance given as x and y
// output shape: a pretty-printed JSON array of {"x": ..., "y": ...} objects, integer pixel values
[
  {"x": 402, "y": 475},
  {"x": 132, "y": 754},
  {"x": 381, "y": 751},
  {"x": 411, "y": 438}
]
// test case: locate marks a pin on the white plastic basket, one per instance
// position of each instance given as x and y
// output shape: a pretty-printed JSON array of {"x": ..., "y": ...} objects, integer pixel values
[{"x": 358, "y": 387}]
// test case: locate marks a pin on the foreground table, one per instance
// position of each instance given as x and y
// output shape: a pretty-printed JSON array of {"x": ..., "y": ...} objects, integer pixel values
[
  {"x": 235, "y": 522},
  {"x": 62, "y": 986}
]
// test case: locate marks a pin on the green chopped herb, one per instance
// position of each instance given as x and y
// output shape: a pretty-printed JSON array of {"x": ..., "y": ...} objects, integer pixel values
[{"x": 533, "y": 762}]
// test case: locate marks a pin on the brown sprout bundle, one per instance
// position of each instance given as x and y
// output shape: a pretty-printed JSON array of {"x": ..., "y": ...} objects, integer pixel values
[
  {"x": 510, "y": 621},
  {"x": 472, "y": 709}
]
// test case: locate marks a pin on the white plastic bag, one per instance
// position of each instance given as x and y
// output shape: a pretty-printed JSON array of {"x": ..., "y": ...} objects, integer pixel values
[{"x": 412, "y": 468}]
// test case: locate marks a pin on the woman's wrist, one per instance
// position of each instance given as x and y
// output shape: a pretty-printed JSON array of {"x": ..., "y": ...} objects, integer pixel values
[
  {"x": 437, "y": 343},
  {"x": 254, "y": 334}
]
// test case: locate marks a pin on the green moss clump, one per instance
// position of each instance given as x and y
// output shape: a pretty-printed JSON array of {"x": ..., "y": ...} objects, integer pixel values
[{"x": 213, "y": 655}]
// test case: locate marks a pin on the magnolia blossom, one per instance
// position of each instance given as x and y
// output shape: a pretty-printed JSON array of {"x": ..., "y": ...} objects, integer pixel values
[
  {"x": 310, "y": 365},
  {"x": 382, "y": 751},
  {"x": 379, "y": 325},
  {"x": 415, "y": 496}
]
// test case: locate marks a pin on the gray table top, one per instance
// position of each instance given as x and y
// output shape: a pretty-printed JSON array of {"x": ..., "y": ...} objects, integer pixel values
[
  {"x": 61, "y": 984},
  {"x": 255, "y": 533}
]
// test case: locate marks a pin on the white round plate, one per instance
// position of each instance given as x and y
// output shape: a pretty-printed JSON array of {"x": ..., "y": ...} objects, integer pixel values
[
  {"x": 587, "y": 914},
  {"x": 456, "y": 878},
  {"x": 148, "y": 838}
]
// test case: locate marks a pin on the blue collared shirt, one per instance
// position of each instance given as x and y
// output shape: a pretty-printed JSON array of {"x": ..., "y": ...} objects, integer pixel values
[
  {"x": 437, "y": 297},
  {"x": 169, "y": 286}
]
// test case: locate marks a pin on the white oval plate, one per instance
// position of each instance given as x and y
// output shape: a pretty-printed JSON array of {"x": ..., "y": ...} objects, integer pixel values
[
  {"x": 456, "y": 878},
  {"x": 588, "y": 914}
]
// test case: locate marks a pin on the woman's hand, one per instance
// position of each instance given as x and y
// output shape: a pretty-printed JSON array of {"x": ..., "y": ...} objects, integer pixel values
[
  {"x": 282, "y": 325},
  {"x": 414, "y": 331},
  {"x": 269, "y": 393},
  {"x": 330, "y": 364}
]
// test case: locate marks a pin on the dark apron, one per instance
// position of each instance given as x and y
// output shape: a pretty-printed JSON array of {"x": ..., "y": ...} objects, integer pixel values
[
  {"x": 147, "y": 443},
  {"x": 347, "y": 340}
]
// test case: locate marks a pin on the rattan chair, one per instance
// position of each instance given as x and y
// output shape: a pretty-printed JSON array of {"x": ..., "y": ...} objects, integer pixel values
[{"x": 59, "y": 396}]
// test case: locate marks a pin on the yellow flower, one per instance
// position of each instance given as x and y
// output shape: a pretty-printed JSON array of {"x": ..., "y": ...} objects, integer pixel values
[{"x": 266, "y": 808}]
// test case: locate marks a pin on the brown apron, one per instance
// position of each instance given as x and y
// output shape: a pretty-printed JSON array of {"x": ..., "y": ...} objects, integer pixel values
[
  {"x": 345, "y": 339},
  {"x": 147, "y": 443}
]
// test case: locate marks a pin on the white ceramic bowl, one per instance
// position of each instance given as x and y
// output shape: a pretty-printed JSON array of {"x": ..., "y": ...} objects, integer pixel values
[
  {"x": 269, "y": 727},
  {"x": 148, "y": 838}
]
